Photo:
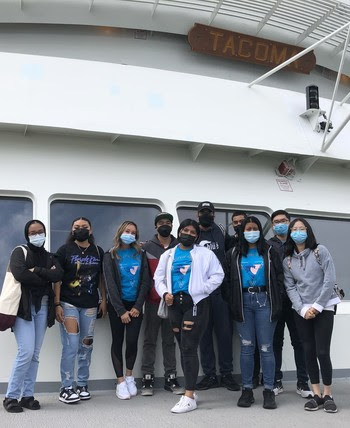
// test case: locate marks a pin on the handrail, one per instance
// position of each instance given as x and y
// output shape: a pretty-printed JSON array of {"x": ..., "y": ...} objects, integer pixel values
[{"x": 297, "y": 56}]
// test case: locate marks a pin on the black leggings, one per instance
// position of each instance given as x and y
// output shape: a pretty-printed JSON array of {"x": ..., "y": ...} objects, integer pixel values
[
  {"x": 316, "y": 335},
  {"x": 131, "y": 332},
  {"x": 189, "y": 322}
]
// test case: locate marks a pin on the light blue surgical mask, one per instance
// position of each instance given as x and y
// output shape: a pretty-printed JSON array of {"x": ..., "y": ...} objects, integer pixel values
[
  {"x": 127, "y": 238},
  {"x": 37, "y": 240},
  {"x": 281, "y": 229},
  {"x": 299, "y": 236},
  {"x": 252, "y": 236}
]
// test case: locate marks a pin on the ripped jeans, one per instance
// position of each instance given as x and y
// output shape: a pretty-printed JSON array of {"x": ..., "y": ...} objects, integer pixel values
[
  {"x": 257, "y": 324},
  {"x": 77, "y": 333}
]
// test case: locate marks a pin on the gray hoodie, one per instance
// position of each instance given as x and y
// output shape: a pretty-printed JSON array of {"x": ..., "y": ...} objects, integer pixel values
[{"x": 310, "y": 280}]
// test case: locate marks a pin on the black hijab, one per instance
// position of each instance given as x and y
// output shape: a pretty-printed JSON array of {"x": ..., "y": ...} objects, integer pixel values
[{"x": 31, "y": 246}]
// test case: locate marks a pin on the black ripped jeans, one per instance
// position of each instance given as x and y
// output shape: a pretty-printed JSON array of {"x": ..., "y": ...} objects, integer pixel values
[
  {"x": 316, "y": 335},
  {"x": 188, "y": 322},
  {"x": 131, "y": 332}
]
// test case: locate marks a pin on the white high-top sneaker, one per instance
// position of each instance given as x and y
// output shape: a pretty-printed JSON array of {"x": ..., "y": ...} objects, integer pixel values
[{"x": 122, "y": 391}]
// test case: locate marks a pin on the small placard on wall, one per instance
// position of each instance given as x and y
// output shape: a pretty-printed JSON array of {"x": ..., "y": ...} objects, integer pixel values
[{"x": 284, "y": 185}]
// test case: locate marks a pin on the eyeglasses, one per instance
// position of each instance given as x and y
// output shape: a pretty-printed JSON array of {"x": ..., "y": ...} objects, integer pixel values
[{"x": 284, "y": 221}]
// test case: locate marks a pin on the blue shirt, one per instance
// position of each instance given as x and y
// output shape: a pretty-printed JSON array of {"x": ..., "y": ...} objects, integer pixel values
[
  {"x": 181, "y": 270},
  {"x": 253, "y": 269},
  {"x": 129, "y": 266}
]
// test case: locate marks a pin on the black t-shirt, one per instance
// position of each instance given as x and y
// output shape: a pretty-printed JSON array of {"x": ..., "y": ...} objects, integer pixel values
[{"x": 82, "y": 270}]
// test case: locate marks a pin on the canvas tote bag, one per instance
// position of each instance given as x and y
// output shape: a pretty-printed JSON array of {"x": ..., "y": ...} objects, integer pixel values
[{"x": 10, "y": 298}]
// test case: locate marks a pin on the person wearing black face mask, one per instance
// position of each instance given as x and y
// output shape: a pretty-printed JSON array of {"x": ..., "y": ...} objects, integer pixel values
[
  {"x": 215, "y": 238},
  {"x": 154, "y": 248},
  {"x": 185, "y": 277},
  {"x": 77, "y": 305}
]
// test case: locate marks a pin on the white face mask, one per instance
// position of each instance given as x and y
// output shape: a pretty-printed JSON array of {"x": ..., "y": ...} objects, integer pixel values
[{"x": 37, "y": 240}]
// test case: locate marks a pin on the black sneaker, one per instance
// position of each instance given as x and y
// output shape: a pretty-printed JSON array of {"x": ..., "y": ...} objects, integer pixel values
[
  {"x": 228, "y": 381},
  {"x": 304, "y": 390},
  {"x": 246, "y": 399},
  {"x": 207, "y": 382},
  {"x": 11, "y": 405},
  {"x": 68, "y": 396},
  {"x": 269, "y": 399},
  {"x": 171, "y": 384},
  {"x": 314, "y": 404},
  {"x": 329, "y": 405},
  {"x": 278, "y": 387},
  {"x": 83, "y": 392},
  {"x": 30, "y": 403},
  {"x": 147, "y": 385}
]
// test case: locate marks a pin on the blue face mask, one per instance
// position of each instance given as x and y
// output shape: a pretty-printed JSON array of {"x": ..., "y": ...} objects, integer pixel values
[
  {"x": 127, "y": 238},
  {"x": 37, "y": 240},
  {"x": 252, "y": 236},
  {"x": 281, "y": 229},
  {"x": 299, "y": 236}
]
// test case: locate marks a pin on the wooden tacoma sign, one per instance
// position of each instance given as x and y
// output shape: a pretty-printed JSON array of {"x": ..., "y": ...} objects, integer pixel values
[{"x": 227, "y": 44}]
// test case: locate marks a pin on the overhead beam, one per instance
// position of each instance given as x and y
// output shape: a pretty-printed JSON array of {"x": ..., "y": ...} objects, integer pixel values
[
  {"x": 253, "y": 153},
  {"x": 316, "y": 24},
  {"x": 215, "y": 11},
  {"x": 195, "y": 149},
  {"x": 305, "y": 164},
  {"x": 267, "y": 16},
  {"x": 115, "y": 138},
  {"x": 154, "y": 7}
]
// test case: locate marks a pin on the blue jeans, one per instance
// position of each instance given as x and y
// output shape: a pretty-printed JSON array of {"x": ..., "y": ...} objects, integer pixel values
[
  {"x": 257, "y": 325},
  {"x": 76, "y": 343},
  {"x": 29, "y": 336}
]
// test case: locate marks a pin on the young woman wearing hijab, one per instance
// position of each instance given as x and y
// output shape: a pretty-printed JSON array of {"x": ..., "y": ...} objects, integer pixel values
[
  {"x": 128, "y": 283},
  {"x": 185, "y": 277},
  {"x": 77, "y": 305},
  {"x": 36, "y": 271},
  {"x": 252, "y": 288}
]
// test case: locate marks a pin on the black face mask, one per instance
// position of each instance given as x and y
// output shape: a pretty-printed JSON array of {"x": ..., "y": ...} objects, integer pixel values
[
  {"x": 164, "y": 230},
  {"x": 81, "y": 235},
  {"x": 237, "y": 229},
  {"x": 186, "y": 240},
  {"x": 206, "y": 220}
]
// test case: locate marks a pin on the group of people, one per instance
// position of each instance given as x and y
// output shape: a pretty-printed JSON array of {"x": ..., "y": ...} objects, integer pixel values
[{"x": 191, "y": 287}]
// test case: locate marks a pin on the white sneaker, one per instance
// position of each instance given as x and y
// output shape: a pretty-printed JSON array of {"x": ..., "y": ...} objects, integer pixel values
[
  {"x": 195, "y": 397},
  {"x": 131, "y": 384},
  {"x": 186, "y": 404},
  {"x": 122, "y": 391}
]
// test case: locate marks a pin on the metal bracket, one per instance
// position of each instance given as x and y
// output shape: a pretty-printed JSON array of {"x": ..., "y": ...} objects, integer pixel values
[
  {"x": 115, "y": 138},
  {"x": 91, "y": 4},
  {"x": 195, "y": 149},
  {"x": 312, "y": 115},
  {"x": 253, "y": 153}
]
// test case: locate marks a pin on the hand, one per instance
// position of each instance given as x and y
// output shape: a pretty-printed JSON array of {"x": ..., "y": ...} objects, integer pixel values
[
  {"x": 134, "y": 312},
  {"x": 59, "y": 314},
  {"x": 102, "y": 307},
  {"x": 53, "y": 267},
  {"x": 31, "y": 270},
  {"x": 309, "y": 314},
  {"x": 314, "y": 311},
  {"x": 169, "y": 299},
  {"x": 125, "y": 318}
]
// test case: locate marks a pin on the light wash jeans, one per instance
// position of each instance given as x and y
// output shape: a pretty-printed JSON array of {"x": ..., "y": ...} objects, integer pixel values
[
  {"x": 257, "y": 325},
  {"x": 29, "y": 336},
  {"x": 77, "y": 344}
]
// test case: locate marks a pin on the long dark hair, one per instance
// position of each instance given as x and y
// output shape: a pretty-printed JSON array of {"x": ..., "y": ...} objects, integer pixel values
[
  {"x": 310, "y": 240},
  {"x": 189, "y": 222},
  {"x": 71, "y": 235},
  {"x": 242, "y": 243}
]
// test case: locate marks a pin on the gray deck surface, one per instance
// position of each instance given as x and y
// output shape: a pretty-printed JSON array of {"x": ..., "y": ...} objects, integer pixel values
[{"x": 217, "y": 408}]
